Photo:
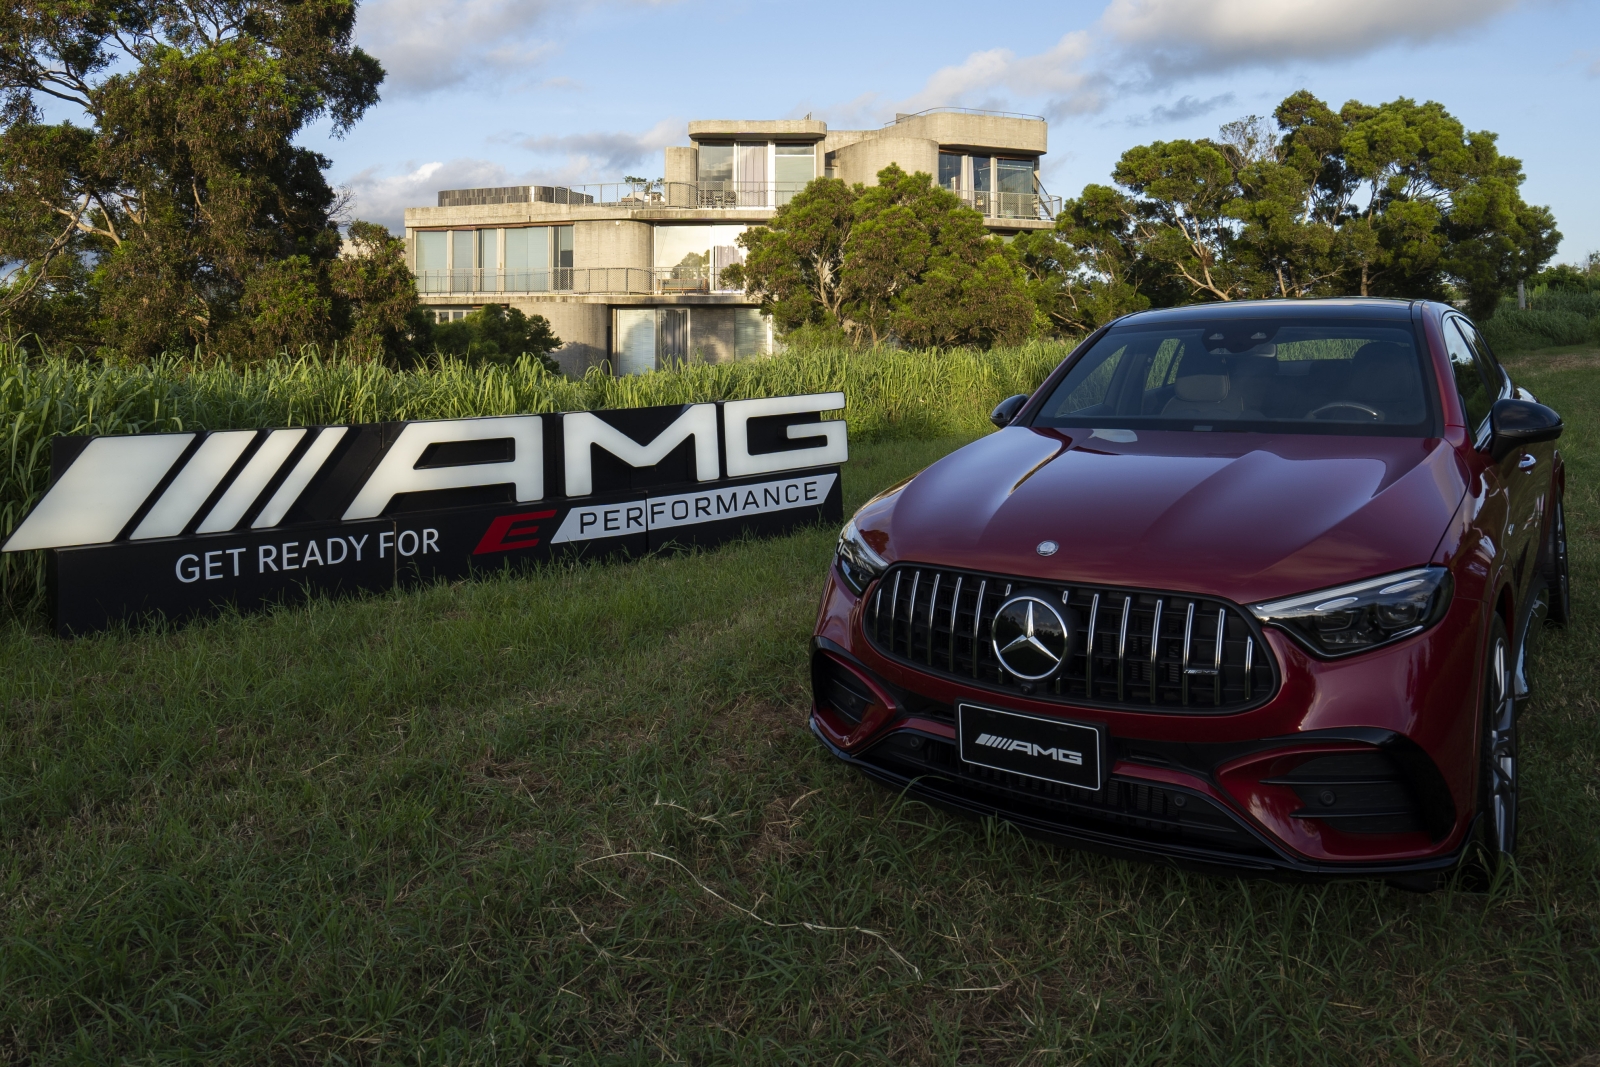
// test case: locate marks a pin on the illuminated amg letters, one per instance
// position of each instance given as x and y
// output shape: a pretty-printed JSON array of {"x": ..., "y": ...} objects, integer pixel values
[
  {"x": 398, "y": 472},
  {"x": 582, "y": 430}
]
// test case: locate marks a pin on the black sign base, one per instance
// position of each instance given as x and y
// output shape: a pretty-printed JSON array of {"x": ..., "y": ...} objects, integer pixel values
[{"x": 180, "y": 578}]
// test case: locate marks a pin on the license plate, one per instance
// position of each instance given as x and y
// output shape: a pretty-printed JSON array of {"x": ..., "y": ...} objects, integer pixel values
[{"x": 1048, "y": 749}]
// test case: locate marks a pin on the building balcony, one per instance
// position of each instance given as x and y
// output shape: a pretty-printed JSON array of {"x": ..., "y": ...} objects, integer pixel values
[
  {"x": 725, "y": 195},
  {"x": 581, "y": 281}
]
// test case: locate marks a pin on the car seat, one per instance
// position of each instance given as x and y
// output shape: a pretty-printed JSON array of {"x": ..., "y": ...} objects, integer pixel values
[
  {"x": 1384, "y": 377},
  {"x": 1204, "y": 391}
]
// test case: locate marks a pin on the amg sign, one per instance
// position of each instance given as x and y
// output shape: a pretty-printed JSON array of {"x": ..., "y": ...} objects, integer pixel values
[{"x": 182, "y": 524}]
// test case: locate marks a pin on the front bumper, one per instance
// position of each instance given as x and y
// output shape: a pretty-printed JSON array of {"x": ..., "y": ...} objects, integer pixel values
[{"x": 1137, "y": 818}]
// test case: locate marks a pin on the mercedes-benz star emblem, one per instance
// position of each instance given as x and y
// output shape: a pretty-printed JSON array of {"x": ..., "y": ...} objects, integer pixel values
[
  {"x": 1030, "y": 637},
  {"x": 1047, "y": 548}
]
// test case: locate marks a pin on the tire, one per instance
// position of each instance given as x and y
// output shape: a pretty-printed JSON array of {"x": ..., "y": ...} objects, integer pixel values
[
  {"x": 1555, "y": 574},
  {"x": 1496, "y": 838}
]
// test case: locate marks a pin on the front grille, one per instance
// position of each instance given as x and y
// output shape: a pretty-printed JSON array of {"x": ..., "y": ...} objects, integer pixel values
[
  {"x": 1127, "y": 808},
  {"x": 1357, "y": 792},
  {"x": 1130, "y": 648}
]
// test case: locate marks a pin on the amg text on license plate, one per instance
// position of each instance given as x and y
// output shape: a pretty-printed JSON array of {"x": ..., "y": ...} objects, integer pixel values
[{"x": 1048, "y": 749}]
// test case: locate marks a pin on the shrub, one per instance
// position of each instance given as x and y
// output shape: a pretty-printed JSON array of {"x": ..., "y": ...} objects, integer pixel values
[
  {"x": 1513, "y": 330},
  {"x": 498, "y": 334}
]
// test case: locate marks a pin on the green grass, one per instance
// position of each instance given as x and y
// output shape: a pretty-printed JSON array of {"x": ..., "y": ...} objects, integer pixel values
[{"x": 576, "y": 815}]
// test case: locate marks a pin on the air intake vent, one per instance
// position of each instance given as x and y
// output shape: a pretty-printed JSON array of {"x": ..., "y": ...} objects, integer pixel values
[
  {"x": 1129, "y": 648},
  {"x": 1357, "y": 792}
]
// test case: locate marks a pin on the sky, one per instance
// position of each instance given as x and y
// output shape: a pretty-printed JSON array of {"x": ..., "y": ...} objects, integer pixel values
[{"x": 510, "y": 92}]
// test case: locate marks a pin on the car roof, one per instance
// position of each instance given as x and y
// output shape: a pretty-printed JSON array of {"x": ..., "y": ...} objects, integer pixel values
[{"x": 1353, "y": 307}]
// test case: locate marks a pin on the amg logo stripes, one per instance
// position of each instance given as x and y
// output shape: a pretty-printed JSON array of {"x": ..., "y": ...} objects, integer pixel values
[{"x": 1006, "y": 744}]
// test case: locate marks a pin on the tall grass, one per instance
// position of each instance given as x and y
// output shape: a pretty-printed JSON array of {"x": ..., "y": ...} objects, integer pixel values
[
  {"x": 1553, "y": 317},
  {"x": 889, "y": 394}
]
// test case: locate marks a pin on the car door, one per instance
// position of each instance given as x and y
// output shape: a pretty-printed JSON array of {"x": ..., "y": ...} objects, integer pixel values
[
  {"x": 1509, "y": 517},
  {"x": 1531, "y": 485}
]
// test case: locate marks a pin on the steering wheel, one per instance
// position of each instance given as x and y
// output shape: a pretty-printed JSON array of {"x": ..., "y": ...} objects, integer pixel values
[{"x": 1377, "y": 416}]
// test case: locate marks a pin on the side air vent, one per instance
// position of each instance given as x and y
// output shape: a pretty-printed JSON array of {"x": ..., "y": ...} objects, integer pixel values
[
  {"x": 1356, "y": 792},
  {"x": 838, "y": 687}
]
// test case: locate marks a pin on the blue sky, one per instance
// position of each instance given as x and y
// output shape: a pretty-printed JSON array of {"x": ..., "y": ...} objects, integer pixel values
[{"x": 489, "y": 92}]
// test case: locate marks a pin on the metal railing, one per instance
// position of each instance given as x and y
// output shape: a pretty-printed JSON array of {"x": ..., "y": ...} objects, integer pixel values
[
  {"x": 1011, "y": 205},
  {"x": 901, "y": 116},
  {"x": 699, "y": 194},
  {"x": 579, "y": 280},
  {"x": 722, "y": 195},
  {"x": 993, "y": 205}
]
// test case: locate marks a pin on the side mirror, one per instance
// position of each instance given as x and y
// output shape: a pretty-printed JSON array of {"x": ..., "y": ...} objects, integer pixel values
[
  {"x": 1515, "y": 423},
  {"x": 1007, "y": 410}
]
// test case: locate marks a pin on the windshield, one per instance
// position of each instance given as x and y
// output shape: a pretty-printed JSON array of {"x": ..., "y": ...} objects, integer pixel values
[{"x": 1335, "y": 376}]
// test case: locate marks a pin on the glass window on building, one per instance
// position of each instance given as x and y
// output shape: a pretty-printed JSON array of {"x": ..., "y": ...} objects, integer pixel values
[
  {"x": 982, "y": 175},
  {"x": 633, "y": 347},
  {"x": 461, "y": 261},
  {"x": 752, "y": 333},
  {"x": 689, "y": 257},
  {"x": 672, "y": 336},
  {"x": 716, "y": 163},
  {"x": 794, "y": 165},
  {"x": 563, "y": 248},
  {"x": 750, "y": 174},
  {"x": 644, "y": 339},
  {"x": 950, "y": 171},
  {"x": 432, "y": 260},
  {"x": 528, "y": 259},
  {"x": 1014, "y": 175},
  {"x": 1015, "y": 185},
  {"x": 488, "y": 279}
]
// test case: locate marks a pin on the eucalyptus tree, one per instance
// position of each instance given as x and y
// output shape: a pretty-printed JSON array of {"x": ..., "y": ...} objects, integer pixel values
[
  {"x": 152, "y": 196},
  {"x": 1395, "y": 199},
  {"x": 902, "y": 259}
]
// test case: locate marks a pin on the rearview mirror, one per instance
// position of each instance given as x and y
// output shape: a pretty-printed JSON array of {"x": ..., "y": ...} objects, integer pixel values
[
  {"x": 1007, "y": 410},
  {"x": 1514, "y": 423}
]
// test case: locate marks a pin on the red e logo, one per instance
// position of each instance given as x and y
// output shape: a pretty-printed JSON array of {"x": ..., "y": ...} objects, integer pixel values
[{"x": 511, "y": 531}]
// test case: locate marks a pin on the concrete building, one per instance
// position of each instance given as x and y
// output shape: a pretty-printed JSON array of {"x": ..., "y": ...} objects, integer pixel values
[{"x": 629, "y": 274}]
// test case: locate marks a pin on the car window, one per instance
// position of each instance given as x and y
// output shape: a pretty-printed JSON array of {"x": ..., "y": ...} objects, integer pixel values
[
  {"x": 1493, "y": 373},
  {"x": 1334, "y": 376},
  {"x": 1471, "y": 381}
]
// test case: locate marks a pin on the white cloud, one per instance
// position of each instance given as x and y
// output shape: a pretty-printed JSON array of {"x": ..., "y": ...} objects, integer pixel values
[
  {"x": 1181, "y": 110},
  {"x": 603, "y": 156},
  {"x": 429, "y": 44},
  {"x": 576, "y": 159},
  {"x": 1140, "y": 44},
  {"x": 1211, "y": 34},
  {"x": 379, "y": 197},
  {"x": 1058, "y": 74},
  {"x": 433, "y": 44}
]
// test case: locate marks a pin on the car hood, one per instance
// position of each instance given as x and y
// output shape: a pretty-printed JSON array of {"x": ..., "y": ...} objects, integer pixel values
[{"x": 1245, "y": 516}]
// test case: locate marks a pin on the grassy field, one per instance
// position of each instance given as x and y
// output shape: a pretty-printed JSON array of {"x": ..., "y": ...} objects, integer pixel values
[{"x": 575, "y": 817}]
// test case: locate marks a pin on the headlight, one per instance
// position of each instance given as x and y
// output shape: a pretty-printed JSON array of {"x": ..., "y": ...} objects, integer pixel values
[
  {"x": 1363, "y": 615},
  {"x": 858, "y": 562}
]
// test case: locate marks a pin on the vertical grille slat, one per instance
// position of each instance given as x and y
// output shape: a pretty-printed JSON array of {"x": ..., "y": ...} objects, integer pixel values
[
  {"x": 955, "y": 608},
  {"x": 938, "y": 619}
]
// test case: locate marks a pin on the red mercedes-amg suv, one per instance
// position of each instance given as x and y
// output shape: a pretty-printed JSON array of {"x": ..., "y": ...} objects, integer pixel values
[{"x": 1244, "y": 586}]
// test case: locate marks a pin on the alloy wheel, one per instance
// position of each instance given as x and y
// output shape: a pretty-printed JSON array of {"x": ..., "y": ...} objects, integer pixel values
[
  {"x": 1500, "y": 755},
  {"x": 1558, "y": 580}
]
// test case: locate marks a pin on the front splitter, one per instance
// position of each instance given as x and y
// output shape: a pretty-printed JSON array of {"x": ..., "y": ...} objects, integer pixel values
[{"x": 1275, "y": 864}]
